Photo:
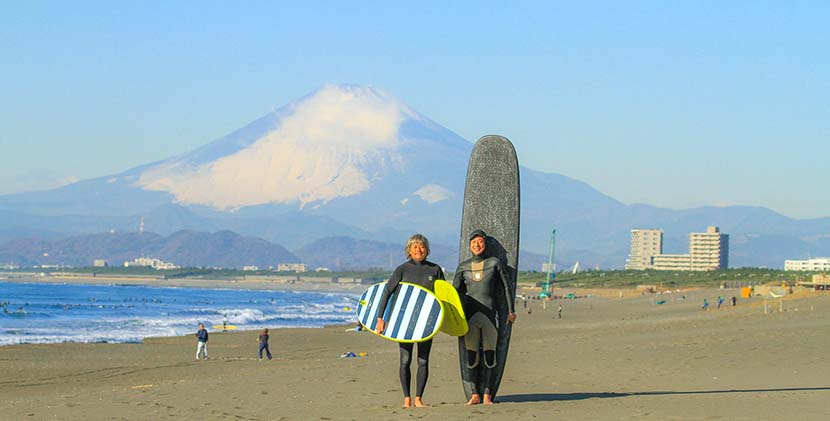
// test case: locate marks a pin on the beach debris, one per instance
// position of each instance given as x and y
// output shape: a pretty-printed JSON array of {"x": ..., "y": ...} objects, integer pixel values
[{"x": 353, "y": 355}]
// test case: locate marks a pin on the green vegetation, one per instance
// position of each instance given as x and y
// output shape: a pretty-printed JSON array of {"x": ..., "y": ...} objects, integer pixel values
[
  {"x": 666, "y": 279},
  {"x": 588, "y": 279}
]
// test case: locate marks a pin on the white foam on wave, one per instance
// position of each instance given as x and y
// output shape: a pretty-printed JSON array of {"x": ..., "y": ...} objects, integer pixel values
[
  {"x": 240, "y": 316},
  {"x": 117, "y": 326}
]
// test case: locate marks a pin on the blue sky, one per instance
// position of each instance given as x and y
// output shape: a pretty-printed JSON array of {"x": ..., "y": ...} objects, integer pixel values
[{"x": 674, "y": 104}]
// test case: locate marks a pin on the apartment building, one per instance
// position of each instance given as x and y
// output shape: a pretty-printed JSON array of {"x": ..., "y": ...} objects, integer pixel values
[
  {"x": 707, "y": 251},
  {"x": 645, "y": 244}
]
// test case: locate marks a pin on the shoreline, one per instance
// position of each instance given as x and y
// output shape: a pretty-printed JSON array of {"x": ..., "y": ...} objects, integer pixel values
[
  {"x": 169, "y": 328},
  {"x": 253, "y": 284}
]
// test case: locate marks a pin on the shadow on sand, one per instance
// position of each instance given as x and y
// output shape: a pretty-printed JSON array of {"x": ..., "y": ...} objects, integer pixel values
[{"x": 550, "y": 397}]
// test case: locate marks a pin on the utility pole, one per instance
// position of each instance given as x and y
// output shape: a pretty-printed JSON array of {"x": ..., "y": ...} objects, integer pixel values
[{"x": 547, "y": 285}]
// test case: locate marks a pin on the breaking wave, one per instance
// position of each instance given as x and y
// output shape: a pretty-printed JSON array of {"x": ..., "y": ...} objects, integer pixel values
[{"x": 41, "y": 313}]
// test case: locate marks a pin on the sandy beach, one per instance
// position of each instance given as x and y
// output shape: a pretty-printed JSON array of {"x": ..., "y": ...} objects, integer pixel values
[{"x": 607, "y": 358}]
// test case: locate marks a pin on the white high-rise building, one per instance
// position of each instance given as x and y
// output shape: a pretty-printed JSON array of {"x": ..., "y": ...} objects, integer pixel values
[
  {"x": 709, "y": 250},
  {"x": 645, "y": 244}
]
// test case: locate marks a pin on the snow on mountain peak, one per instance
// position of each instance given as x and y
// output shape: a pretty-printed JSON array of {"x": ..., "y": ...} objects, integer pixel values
[
  {"x": 433, "y": 193},
  {"x": 322, "y": 148}
]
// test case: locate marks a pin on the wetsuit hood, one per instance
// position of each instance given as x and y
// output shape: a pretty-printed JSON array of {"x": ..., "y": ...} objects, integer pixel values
[
  {"x": 483, "y": 256},
  {"x": 478, "y": 233}
]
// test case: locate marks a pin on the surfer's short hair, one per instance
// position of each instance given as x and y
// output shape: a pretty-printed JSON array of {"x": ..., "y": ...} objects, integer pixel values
[{"x": 417, "y": 238}]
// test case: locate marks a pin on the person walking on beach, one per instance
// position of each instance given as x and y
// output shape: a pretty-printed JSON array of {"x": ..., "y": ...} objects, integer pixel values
[
  {"x": 263, "y": 343},
  {"x": 478, "y": 280},
  {"x": 559, "y": 312},
  {"x": 734, "y": 301},
  {"x": 720, "y": 301},
  {"x": 201, "y": 347},
  {"x": 705, "y": 304},
  {"x": 524, "y": 303},
  {"x": 416, "y": 270}
]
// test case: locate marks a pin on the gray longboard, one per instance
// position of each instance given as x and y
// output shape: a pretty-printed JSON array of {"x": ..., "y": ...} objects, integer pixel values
[{"x": 491, "y": 203}]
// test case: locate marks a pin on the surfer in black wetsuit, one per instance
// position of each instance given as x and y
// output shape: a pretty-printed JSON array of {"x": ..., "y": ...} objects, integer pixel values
[
  {"x": 477, "y": 280},
  {"x": 416, "y": 270}
]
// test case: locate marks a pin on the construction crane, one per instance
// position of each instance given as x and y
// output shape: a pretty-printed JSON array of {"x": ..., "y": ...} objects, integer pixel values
[{"x": 547, "y": 284}]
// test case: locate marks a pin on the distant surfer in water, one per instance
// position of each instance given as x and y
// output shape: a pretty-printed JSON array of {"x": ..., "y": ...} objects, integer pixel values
[
  {"x": 416, "y": 270},
  {"x": 477, "y": 280}
]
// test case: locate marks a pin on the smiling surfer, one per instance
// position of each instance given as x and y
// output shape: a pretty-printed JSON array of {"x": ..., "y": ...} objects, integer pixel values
[
  {"x": 478, "y": 280},
  {"x": 416, "y": 270}
]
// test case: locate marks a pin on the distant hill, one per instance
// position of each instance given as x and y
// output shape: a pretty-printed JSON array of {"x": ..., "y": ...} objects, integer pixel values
[
  {"x": 222, "y": 249},
  {"x": 184, "y": 248}
]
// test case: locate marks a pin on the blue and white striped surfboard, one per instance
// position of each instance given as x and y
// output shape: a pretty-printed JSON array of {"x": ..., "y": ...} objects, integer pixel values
[{"x": 413, "y": 313}]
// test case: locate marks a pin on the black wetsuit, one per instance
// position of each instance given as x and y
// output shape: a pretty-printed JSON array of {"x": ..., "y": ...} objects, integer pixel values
[
  {"x": 478, "y": 281},
  {"x": 424, "y": 274}
]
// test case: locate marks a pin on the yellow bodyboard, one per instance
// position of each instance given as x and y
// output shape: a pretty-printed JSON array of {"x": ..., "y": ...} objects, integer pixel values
[{"x": 455, "y": 323}]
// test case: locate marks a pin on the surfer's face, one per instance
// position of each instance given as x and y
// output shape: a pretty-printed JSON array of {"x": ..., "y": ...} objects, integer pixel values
[
  {"x": 418, "y": 252},
  {"x": 477, "y": 245}
]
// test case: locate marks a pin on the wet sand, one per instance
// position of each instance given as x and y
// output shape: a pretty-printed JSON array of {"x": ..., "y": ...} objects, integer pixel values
[{"x": 607, "y": 358}]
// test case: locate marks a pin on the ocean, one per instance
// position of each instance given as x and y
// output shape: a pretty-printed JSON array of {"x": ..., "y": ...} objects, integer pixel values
[{"x": 52, "y": 313}]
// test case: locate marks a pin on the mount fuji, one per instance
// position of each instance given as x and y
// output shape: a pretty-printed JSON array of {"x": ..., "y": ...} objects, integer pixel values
[{"x": 353, "y": 161}]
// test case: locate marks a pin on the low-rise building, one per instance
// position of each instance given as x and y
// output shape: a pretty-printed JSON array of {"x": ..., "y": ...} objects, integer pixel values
[
  {"x": 99, "y": 263},
  {"x": 818, "y": 264},
  {"x": 291, "y": 267},
  {"x": 672, "y": 262},
  {"x": 156, "y": 264}
]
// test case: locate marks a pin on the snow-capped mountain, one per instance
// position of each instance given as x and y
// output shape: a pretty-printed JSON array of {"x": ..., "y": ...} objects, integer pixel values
[
  {"x": 333, "y": 144},
  {"x": 354, "y": 161}
]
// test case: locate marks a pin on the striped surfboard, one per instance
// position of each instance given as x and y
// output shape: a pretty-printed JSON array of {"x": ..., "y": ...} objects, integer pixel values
[{"x": 413, "y": 314}]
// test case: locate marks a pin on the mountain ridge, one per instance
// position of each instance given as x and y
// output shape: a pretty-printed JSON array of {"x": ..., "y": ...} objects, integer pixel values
[{"x": 353, "y": 161}]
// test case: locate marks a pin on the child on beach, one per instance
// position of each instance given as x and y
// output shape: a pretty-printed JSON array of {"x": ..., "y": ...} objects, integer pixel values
[
  {"x": 263, "y": 343},
  {"x": 201, "y": 347}
]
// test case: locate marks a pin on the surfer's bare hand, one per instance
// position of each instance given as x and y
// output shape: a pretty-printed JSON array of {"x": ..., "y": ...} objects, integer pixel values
[
  {"x": 511, "y": 317},
  {"x": 381, "y": 325}
]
